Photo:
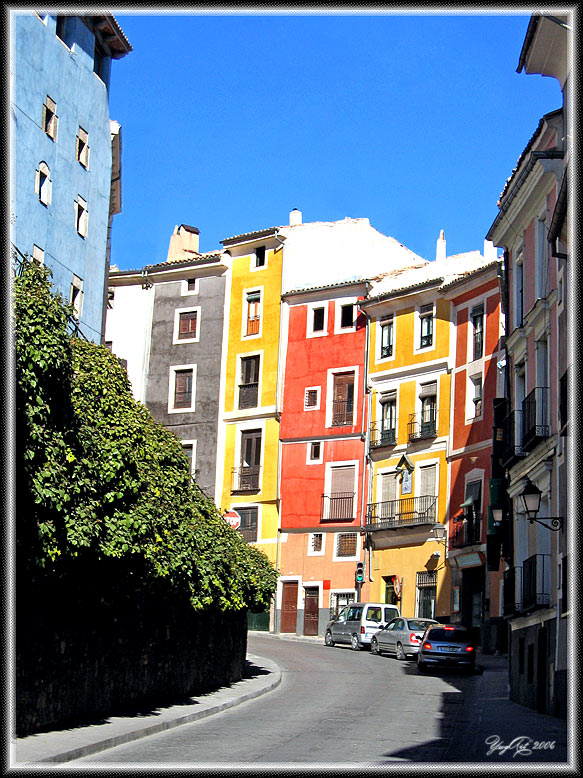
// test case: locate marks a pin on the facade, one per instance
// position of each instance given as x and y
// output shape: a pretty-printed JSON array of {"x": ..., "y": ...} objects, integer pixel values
[
  {"x": 65, "y": 152},
  {"x": 532, "y": 227},
  {"x": 166, "y": 323},
  {"x": 410, "y": 366},
  {"x": 322, "y": 455},
  {"x": 474, "y": 547}
]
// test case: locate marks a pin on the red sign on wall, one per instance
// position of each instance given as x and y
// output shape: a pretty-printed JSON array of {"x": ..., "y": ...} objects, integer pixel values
[
  {"x": 325, "y": 585},
  {"x": 233, "y": 519}
]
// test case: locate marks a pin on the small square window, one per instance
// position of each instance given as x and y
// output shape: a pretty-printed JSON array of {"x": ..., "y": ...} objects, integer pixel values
[
  {"x": 191, "y": 284},
  {"x": 347, "y": 316},
  {"x": 50, "y": 118},
  {"x": 315, "y": 449},
  {"x": 311, "y": 398},
  {"x": 317, "y": 540},
  {"x": 187, "y": 325},
  {"x": 260, "y": 256},
  {"x": 346, "y": 543}
]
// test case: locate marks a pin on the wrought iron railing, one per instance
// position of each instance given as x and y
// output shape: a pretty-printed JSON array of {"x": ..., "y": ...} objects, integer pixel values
[
  {"x": 392, "y": 514},
  {"x": 248, "y": 394},
  {"x": 338, "y": 506},
  {"x": 466, "y": 531},
  {"x": 535, "y": 417},
  {"x": 478, "y": 344},
  {"x": 536, "y": 589},
  {"x": 512, "y": 438},
  {"x": 342, "y": 413},
  {"x": 379, "y": 436},
  {"x": 422, "y": 425},
  {"x": 246, "y": 479}
]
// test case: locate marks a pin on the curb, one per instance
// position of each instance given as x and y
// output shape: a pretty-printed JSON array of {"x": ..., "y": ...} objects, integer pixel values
[{"x": 220, "y": 700}]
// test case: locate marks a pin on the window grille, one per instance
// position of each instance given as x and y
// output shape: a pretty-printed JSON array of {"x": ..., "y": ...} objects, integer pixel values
[{"x": 346, "y": 544}]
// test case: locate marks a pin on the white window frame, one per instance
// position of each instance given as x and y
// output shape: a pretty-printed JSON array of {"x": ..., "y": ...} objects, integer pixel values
[
  {"x": 252, "y": 290},
  {"x": 472, "y": 329},
  {"x": 379, "y": 339},
  {"x": 429, "y": 379},
  {"x": 477, "y": 474},
  {"x": 471, "y": 379},
  {"x": 338, "y": 305},
  {"x": 251, "y": 424},
  {"x": 318, "y": 390},
  {"x": 240, "y": 358},
  {"x": 242, "y": 504},
  {"x": 253, "y": 261},
  {"x": 541, "y": 252},
  {"x": 172, "y": 384},
  {"x": 417, "y": 477},
  {"x": 76, "y": 300},
  {"x": 81, "y": 216},
  {"x": 309, "y": 460},
  {"x": 185, "y": 291},
  {"x": 310, "y": 551},
  {"x": 328, "y": 479},
  {"x": 386, "y": 390},
  {"x": 417, "y": 348},
  {"x": 330, "y": 392},
  {"x": 193, "y": 444},
  {"x": 518, "y": 262},
  {"x": 310, "y": 333},
  {"x": 83, "y": 155},
  {"x": 356, "y": 557},
  {"x": 44, "y": 190},
  {"x": 191, "y": 309},
  {"x": 38, "y": 254}
]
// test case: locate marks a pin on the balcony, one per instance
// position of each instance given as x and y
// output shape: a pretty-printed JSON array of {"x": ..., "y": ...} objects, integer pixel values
[
  {"x": 535, "y": 417},
  {"x": 382, "y": 437},
  {"x": 536, "y": 585},
  {"x": 246, "y": 479},
  {"x": 512, "y": 438},
  {"x": 337, "y": 507},
  {"x": 422, "y": 426},
  {"x": 248, "y": 395},
  {"x": 342, "y": 413},
  {"x": 466, "y": 531},
  {"x": 393, "y": 514},
  {"x": 253, "y": 326}
]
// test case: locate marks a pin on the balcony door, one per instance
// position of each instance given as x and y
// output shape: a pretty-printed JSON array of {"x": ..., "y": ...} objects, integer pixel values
[
  {"x": 342, "y": 492},
  {"x": 250, "y": 459},
  {"x": 428, "y": 491},
  {"x": 388, "y": 496},
  {"x": 343, "y": 399}
]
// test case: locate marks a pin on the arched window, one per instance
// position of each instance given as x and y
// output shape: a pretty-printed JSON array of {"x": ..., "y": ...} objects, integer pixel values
[{"x": 43, "y": 183}]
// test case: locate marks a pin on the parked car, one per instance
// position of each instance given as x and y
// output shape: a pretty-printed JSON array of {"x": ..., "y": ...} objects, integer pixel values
[
  {"x": 401, "y": 637},
  {"x": 357, "y": 623},
  {"x": 446, "y": 644}
]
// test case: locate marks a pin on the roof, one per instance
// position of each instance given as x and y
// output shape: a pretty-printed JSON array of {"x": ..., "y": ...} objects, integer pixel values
[
  {"x": 198, "y": 259},
  {"x": 251, "y": 235},
  {"x": 338, "y": 285},
  {"x": 188, "y": 228},
  {"x": 111, "y": 34},
  {"x": 470, "y": 273}
]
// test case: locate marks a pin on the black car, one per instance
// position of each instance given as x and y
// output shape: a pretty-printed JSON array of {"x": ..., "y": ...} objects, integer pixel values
[{"x": 446, "y": 645}]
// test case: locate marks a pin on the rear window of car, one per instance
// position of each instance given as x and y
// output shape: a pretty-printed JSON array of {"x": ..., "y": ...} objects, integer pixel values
[
  {"x": 419, "y": 624},
  {"x": 391, "y": 613},
  {"x": 374, "y": 613},
  {"x": 449, "y": 635}
]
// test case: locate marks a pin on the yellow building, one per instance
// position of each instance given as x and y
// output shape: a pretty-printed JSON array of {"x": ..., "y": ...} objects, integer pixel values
[{"x": 249, "y": 444}]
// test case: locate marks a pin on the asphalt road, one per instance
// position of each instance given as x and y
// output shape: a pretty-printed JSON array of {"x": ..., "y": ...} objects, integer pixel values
[{"x": 334, "y": 706}]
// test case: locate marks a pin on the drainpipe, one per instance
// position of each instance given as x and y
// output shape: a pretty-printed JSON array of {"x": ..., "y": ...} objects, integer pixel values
[{"x": 366, "y": 436}]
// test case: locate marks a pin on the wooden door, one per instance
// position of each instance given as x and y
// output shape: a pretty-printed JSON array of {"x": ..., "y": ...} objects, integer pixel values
[
  {"x": 343, "y": 399},
  {"x": 311, "y": 611},
  {"x": 289, "y": 606}
]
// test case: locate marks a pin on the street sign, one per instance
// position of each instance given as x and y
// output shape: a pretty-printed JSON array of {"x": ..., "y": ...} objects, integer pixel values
[{"x": 233, "y": 519}]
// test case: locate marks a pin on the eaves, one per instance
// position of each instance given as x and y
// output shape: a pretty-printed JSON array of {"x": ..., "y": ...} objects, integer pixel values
[{"x": 404, "y": 291}]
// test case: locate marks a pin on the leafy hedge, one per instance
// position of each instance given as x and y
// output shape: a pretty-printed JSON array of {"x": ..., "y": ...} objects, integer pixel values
[{"x": 99, "y": 479}]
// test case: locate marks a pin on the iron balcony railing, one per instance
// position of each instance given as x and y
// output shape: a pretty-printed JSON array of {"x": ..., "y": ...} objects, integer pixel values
[
  {"x": 342, "y": 413},
  {"x": 393, "y": 514},
  {"x": 422, "y": 425},
  {"x": 248, "y": 395},
  {"x": 466, "y": 531},
  {"x": 387, "y": 351},
  {"x": 337, "y": 507},
  {"x": 536, "y": 589},
  {"x": 380, "y": 436},
  {"x": 512, "y": 438},
  {"x": 535, "y": 417},
  {"x": 246, "y": 479},
  {"x": 478, "y": 344}
]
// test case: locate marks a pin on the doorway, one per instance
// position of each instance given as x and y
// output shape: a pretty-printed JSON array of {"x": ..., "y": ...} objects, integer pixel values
[
  {"x": 289, "y": 606},
  {"x": 311, "y": 610}
]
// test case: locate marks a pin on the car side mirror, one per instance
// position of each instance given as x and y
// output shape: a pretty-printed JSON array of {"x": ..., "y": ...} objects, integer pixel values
[{"x": 382, "y": 626}]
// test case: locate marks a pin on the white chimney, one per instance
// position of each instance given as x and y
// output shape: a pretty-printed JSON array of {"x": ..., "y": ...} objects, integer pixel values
[
  {"x": 440, "y": 250},
  {"x": 183, "y": 243},
  {"x": 295, "y": 217},
  {"x": 490, "y": 251}
]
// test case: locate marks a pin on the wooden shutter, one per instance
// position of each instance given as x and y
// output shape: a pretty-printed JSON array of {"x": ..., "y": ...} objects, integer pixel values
[
  {"x": 342, "y": 480},
  {"x": 187, "y": 328},
  {"x": 183, "y": 388},
  {"x": 250, "y": 448},
  {"x": 428, "y": 480},
  {"x": 388, "y": 487}
]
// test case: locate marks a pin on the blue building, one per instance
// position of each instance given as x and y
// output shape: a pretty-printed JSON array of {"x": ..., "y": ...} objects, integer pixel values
[{"x": 65, "y": 152}]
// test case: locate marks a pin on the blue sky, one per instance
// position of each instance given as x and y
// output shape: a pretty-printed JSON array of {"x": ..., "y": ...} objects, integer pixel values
[{"x": 230, "y": 121}]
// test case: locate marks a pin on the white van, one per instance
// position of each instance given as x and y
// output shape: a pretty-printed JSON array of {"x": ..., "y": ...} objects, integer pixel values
[{"x": 356, "y": 623}]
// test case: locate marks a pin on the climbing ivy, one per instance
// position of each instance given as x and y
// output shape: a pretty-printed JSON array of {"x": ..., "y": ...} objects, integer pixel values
[{"x": 99, "y": 479}]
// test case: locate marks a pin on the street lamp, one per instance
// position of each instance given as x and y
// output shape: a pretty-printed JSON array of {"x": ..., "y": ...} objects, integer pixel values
[
  {"x": 497, "y": 515},
  {"x": 530, "y": 498}
]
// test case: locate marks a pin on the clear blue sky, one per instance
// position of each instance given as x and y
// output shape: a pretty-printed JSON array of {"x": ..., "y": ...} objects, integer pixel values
[{"x": 230, "y": 121}]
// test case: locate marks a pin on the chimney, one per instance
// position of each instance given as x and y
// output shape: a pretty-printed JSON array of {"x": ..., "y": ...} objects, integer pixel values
[
  {"x": 440, "y": 250},
  {"x": 295, "y": 218},
  {"x": 490, "y": 251},
  {"x": 183, "y": 243}
]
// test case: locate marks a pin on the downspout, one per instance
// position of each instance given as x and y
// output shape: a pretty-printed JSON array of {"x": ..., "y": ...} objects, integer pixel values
[
  {"x": 278, "y": 405},
  {"x": 366, "y": 436}
]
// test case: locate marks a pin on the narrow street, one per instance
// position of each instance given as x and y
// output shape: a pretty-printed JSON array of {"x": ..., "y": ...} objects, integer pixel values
[{"x": 337, "y": 706}]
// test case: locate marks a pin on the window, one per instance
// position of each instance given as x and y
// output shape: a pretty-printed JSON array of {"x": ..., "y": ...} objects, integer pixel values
[
  {"x": 519, "y": 290},
  {"x": 317, "y": 542},
  {"x": 253, "y": 313},
  {"x": 475, "y": 389},
  {"x": 346, "y": 544},
  {"x": 43, "y": 184},
  {"x": 64, "y": 29},
  {"x": 428, "y": 395},
  {"x": 389, "y": 418},
  {"x": 312, "y": 398},
  {"x": 318, "y": 319},
  {"x": 387, "y": 338},
  {"x": 477, "y": 317},
  {"x": 388, "y": 496},
  {"x": 189, "y": 448},
  {"x": 341, "y": 498},
  {"x": 248, "y": 526},
  {"x": 339, "y": 600},
  {"x": 76, "y": 295},
  {"x": 346, "y": 316},
  {"x": 428, "y": 481},
  {"x": 249, "y": 385},
  {"x": 81, "y": 216},
  {"x": 191, "y": 284},
  {"x": 187, "y": 325},
  {"x": 426, "y": 594},
  {"x": 183, "y": 380},
  {"x": 82, "y": 148},
  {"x": 343, "y": 399},
  {"x": 260, "y": 256},
  {"x": 247, "y": 474},
  {"x": 38, "y": 254},
  {"x": 50, "y": 118},
  {"x": 541, "y": 254},
  {"x": 426, "y": 328},
  {"x": 315, "y": 451},
  {"x": 473, "y": 493}
]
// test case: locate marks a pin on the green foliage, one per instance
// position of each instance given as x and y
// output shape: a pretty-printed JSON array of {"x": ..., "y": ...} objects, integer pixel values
[{"x": 100, "y": 479}]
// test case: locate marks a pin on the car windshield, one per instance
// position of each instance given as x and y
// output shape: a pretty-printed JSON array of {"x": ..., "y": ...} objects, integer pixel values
[
  {"x": 419, "y": 624},
  {"x": 449, "y": 635}
]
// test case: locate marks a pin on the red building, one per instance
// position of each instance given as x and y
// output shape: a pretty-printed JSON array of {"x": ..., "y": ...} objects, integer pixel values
[
  {"x": 322, "y": 455},
  {"x": 477, "y": 381}
]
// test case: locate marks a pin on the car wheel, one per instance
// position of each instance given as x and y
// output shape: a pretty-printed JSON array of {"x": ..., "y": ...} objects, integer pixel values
[
  {"x": 328, "y": 639},
  {"x": 400, "y": 652},
  {"x": 354, "y": 644},
  {"x": 374, "y": 647}
]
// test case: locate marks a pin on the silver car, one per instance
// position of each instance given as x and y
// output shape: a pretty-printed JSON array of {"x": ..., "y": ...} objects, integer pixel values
[{"x": 401, "y": 637}]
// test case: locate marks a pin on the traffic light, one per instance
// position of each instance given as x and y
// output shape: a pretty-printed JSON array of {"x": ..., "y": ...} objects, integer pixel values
[{"x": 359, "y": 575}]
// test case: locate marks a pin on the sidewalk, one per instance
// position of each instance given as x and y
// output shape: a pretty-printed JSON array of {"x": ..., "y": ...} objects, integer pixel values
[{"x": 66, "y": 744}]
